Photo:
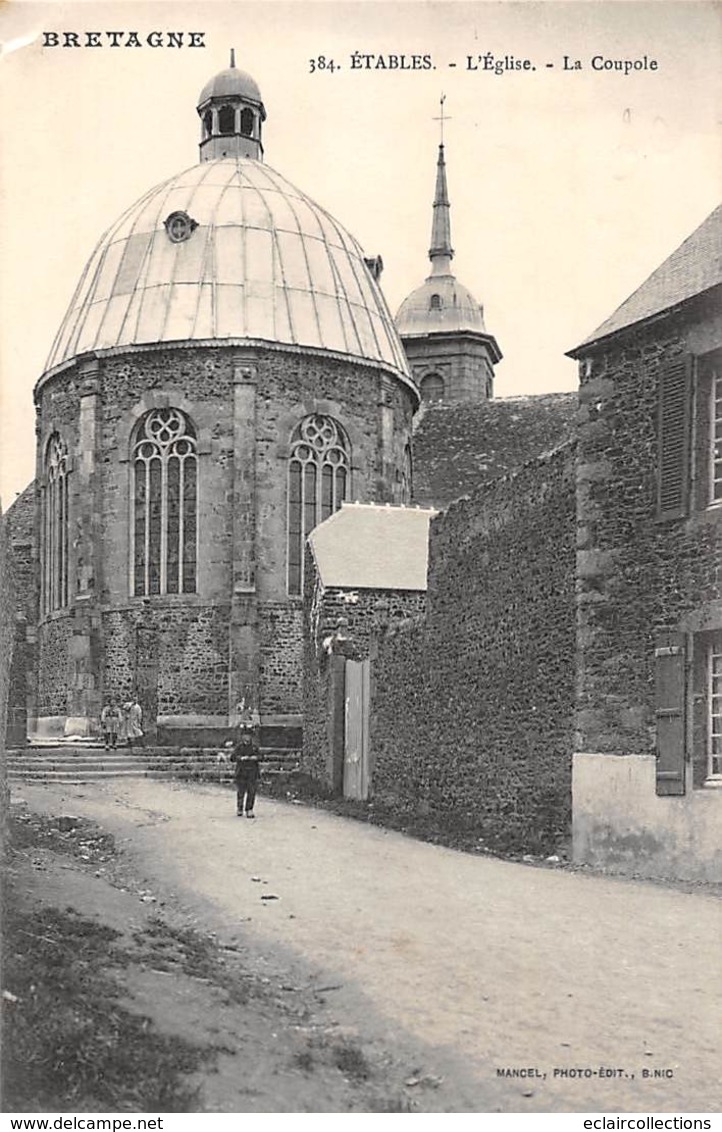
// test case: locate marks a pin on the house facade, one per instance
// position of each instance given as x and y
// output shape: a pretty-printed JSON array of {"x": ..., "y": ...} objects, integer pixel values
[{"x": 647, "y": 768}]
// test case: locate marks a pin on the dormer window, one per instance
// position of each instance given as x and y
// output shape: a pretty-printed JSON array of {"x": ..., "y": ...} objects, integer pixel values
[
  {"x": 435, "y": 302},
  {"x": 227, "y": 120}
]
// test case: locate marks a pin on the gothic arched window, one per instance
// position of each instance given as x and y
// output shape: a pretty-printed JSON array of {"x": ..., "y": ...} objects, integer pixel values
[
  {"x": 247, "y": 123},
  {"x": 318, "y": 481},
  {"x": 227, "y": 120},
  {"x": 55, "y": 526},
  {"x": 165, "y": 504},
  {"x": 432, "y": 388}
]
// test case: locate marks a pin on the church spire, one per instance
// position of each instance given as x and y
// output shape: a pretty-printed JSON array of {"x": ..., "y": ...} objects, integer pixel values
[{"x": 441, "y": 252}]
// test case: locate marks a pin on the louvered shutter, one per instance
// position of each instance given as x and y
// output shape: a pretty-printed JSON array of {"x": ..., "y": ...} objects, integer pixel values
[
  {"x": 670, "y": 699},
  {"x": 673, "y": 439}
]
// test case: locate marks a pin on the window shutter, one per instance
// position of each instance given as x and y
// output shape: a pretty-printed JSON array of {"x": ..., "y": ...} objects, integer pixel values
[
  {"x": 673, "y": 439},
  {"x": 670, "y": 700}
]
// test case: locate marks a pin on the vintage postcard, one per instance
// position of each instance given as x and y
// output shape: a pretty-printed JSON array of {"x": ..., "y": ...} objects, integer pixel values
[{"x": 361, "y": 449}]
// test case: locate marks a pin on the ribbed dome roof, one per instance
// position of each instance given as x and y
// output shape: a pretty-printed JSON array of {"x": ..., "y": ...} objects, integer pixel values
[
  {"x": 441, "y": 303},
  {"x": 264, "y": 262},
  {"x": 232, "y": 81}
]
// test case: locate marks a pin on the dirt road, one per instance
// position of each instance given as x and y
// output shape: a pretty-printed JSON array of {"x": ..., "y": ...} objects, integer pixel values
[{"x": 579, "y": 987}]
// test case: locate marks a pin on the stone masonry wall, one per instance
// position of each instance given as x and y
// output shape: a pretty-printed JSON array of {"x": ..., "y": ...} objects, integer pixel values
[
  {"x": 53, "y": 640},
  {"x": 192, "y": 656},
  {"x": 281, "y": 386},
  {"x": 22, "y": 562},
  {"x": 360, "y": 616},
  {"x": 636, "y": 575},
  {"x": 7, "y": 633},
  {"x": 471, "y": 721},
  {"x": 281, "y": 649}
]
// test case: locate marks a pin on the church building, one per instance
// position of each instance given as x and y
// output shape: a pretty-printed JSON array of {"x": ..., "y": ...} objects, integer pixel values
[{"x": 226, "y": 375}]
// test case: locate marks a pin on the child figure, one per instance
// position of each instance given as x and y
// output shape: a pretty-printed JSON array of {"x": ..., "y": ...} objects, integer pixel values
[
  {"x": 110, "y": 721},
  {"x": 247, "y": 770}
]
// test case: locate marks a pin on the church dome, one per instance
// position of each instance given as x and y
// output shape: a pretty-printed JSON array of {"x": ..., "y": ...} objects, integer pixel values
[
  {"x": 231, "y": 83},
  {"x": 440, "y": 304},
  {"x": 229, "y": 250}
]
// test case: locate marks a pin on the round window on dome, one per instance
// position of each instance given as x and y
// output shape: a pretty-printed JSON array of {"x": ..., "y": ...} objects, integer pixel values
[{"x": 180, "y": 226}]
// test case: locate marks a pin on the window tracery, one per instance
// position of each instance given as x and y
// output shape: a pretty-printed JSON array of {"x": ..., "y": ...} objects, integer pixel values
[
  {"x": 55, "y": 526},
  {"x": 318, "y": 482},
  {"x": 165, "y": 504}
]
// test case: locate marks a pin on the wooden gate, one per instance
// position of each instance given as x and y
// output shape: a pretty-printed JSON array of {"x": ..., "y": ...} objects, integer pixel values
[{"x": 356, "y": 730}]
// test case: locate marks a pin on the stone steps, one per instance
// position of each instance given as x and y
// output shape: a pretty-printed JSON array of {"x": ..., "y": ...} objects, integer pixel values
[{"x": 83, "y": 764}]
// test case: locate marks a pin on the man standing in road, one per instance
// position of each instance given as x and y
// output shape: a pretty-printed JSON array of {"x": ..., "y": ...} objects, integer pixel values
[{"x": 247, "y": 769}]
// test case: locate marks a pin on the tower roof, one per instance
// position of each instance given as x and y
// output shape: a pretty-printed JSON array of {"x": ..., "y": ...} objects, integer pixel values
[
  {"x": 441, "y": 252},
  {"x": 229, "y": 250},
  {"x": 694, "y": 267},
  {"x": 231, "y": 83},
  {"x": 441, "y": 304}
]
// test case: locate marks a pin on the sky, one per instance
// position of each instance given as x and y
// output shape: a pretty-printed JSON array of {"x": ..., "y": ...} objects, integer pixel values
[{"x": 568, "y": 186}]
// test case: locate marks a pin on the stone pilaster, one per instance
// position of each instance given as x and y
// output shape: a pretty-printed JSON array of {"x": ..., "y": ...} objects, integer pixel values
[
  {"x": 388, "y": 487},
  {"x": 244, "y": 647},
  {"x": 84, "y": 645}
]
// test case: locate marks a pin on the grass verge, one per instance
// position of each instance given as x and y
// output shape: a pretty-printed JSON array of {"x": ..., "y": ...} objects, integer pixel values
[{"x": 68, "y": 1043}]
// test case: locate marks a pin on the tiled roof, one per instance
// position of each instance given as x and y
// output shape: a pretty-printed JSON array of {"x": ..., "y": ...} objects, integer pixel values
[
  {"x": 459, "y": 447},
  {"x": 694, "y": 267},
  {"x": 372, "y": 547}
]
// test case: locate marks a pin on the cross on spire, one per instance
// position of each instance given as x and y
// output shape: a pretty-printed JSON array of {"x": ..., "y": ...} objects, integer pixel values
[{"x": 442, "y": 117}]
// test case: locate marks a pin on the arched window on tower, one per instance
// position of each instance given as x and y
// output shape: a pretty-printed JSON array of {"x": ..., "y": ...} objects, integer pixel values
[
  {"x": 165, "y": 504},
  {"x": 227, "y": 120},
  {"x": 54, "y": 574},
  {"x": 208, "y": 123},
  {"x": 247, "y": 122},
  {"x": 432, "y": 387},
  {"x": 435, "y": 302},
  {"x": 319, "y": 474}
]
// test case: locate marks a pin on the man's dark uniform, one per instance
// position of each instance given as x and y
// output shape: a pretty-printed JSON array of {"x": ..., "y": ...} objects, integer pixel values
[{"x": 248, "y": 770}]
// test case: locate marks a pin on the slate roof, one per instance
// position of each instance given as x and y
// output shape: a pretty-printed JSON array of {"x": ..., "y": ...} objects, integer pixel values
[
  {"x": 373, "y": 547},
  {"x": 459, "y": 447},
  {"x": 694, "y": 267}
]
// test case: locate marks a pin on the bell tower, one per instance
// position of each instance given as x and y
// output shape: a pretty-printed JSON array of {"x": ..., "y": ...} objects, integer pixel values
[
  {"x": 232, "y": 114},
  {"x": 450, "y": 352}
]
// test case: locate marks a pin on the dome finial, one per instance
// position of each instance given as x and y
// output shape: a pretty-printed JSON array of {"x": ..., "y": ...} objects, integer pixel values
[{"x": 233, "y": 57}]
